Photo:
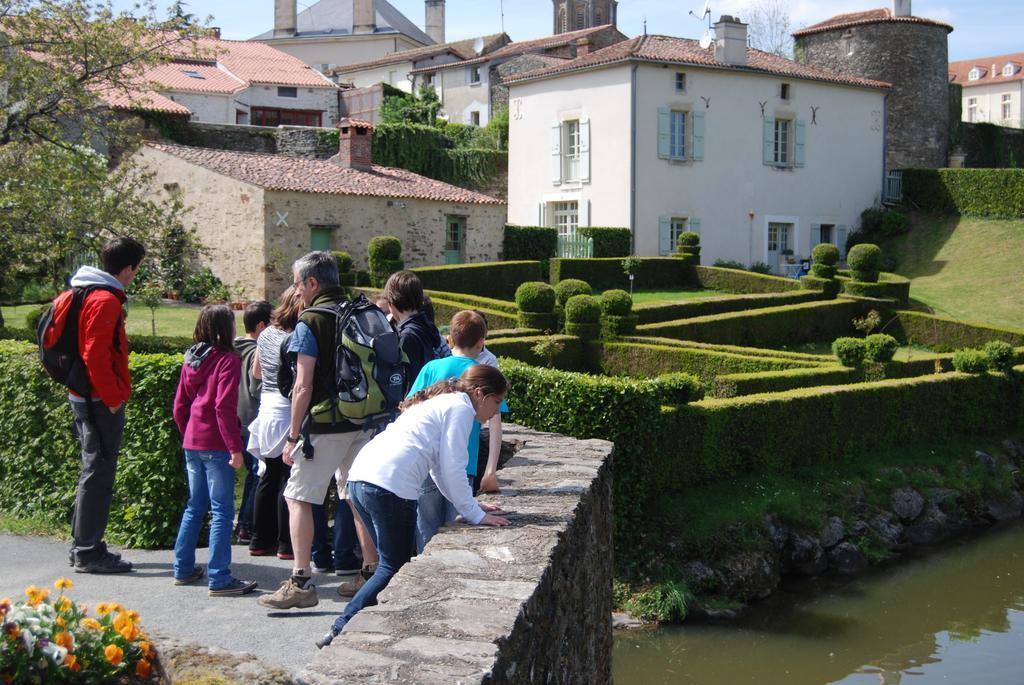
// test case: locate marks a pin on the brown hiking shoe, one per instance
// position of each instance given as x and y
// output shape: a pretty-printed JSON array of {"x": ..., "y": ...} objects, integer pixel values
[
  {"x": 291, "y": 596},
  {"x": 351, "y": 587}
]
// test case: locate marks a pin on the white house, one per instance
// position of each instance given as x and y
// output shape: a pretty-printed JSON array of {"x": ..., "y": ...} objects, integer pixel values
[
  {"x": 763, "y": 156},
  {"x": 993, "y": 89}
]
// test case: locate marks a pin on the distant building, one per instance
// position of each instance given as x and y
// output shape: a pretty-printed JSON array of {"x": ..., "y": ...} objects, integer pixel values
[
  {"x": 762, "y": 156},
  {"x": 256, "y": 213},
  {"x": 993, "y": 88},
  {"x": 909, "y": 52},
  {"x": 574, "y": 15}
]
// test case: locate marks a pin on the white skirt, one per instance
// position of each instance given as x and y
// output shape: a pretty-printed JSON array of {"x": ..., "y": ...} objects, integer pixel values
[{"x": 267, "y": 434}]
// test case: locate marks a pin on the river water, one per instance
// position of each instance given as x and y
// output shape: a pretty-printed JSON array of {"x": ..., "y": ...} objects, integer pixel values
[{"x": 953, "y": 616}]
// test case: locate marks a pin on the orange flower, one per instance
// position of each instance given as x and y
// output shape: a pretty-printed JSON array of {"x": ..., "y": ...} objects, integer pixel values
[
  {"x": 63, "y": 584},
  {"x": 121, "y": 621},
  {"x": 103, "y": 608},
  {"x": 92, "y": 623},
  {"x": 116, "y": 606},
  {"x": 144, "y": 647},
  {"x": 65, "y": 640},
  {"x": 113, "y": 654},
  {"x": 64, "y": 604},
  {"x": 143, "y": 669},
  {"x": 133, "y": 615},
  {"x": 61, "y": 622},
  {"x": 129, "y": 632},
  {"x": 14, "y": 630},
  {"x": 71, "y": 661}
]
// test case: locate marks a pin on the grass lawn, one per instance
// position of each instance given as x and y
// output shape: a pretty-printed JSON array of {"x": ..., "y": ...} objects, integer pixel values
[
  {"x": 171, "y": 319},
  {"x": 664, "y": 296},
  {"x": 964, "y": 267}
]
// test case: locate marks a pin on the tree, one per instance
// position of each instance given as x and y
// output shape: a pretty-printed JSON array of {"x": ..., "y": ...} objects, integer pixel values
[
  {"x": 768, "y": 27},
  {"x": 411, "y": 108}
]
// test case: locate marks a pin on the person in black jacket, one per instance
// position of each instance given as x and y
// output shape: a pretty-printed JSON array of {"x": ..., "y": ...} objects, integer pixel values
[{"x": 419, "y": 337}]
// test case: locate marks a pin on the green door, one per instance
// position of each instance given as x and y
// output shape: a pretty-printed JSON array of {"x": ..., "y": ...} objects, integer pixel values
[
  {"x": 455, "y": 240},
  {"x": 320, "y": 239}
]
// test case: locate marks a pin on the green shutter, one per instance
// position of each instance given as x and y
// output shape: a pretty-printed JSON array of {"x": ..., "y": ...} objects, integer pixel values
[
  {"x": 698, "y": 136},
  {"x": 841, "y": 234},
  {"x": 540, "y": 214},
  {"x": 583, "y": 213},
  {"x": 694, "y": 225},
  {"x": 815, "y": 234},
  {"x": 585, "y": 150},
  {"x": 769, "y": 140},
  {"x": 320, "y": 239},
  {"x": 801, "y": 143},
  {"x": 664, "y": 132},
  {"x": 665, "y": 235},
  {"x": 556, "y": 154}
]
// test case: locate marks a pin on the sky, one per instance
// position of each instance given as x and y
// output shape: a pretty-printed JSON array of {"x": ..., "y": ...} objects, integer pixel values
[{"x": 978, "y": 32}]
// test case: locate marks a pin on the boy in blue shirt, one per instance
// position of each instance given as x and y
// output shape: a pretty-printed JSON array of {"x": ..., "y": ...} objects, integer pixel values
[{"x": 468, "y": 332}]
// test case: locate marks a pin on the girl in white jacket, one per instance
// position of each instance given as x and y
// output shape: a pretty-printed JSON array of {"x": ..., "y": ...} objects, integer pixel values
[{"x": 430, "y": 437}]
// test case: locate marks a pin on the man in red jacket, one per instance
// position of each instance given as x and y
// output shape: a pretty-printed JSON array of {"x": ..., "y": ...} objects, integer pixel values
[{"x": 99, "y": 420}]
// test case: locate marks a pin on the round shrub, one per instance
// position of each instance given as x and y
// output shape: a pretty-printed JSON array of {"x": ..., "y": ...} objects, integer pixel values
[
  {"x": 385, "y": 247},
  {"x": 849, "y": 351},
  {"x": 819, "y": 270},
  {"x": 880, "y": 347},
  {"x": 33, "y": 316},
  {"x": 541, "y": 321},
  {"x": 825, "y": 253},
  {"x": 586, "y": 331},
  {"x": 970, "y": 361},
  {"x": 616, "y": 303},
  {"x": 999, "y": 355},
  {"x": 688, "y": 239},
  {"x": 864, "y": 260},
  {"x": 535, "y": 296},
  {"x": 344, "y": 261},
  {"x": 583, "y": 309},
  {"x": 570, "y": 287}
]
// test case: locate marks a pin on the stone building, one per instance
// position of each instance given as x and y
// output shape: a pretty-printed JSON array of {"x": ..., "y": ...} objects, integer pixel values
[
  {"x": 909, "y": 52},
  {"x": 256, "y": 213},
  {"x": 573, "y": 15},
  {"x": 992, "y": 89}
]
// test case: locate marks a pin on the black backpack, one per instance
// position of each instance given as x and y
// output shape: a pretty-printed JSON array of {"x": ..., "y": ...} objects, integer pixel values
[{"x": 57, "y": 337}]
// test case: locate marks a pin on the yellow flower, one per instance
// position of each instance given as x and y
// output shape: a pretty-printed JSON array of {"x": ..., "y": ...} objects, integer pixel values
[
  {"x": 65, "y": 640},
  {"x": 133, "y": 615},
  {"x": 116, "y": 607},
  {"x": 146, "y": 649},
  {"x": 113, "y": 654},
  {"x": 64, "y": 604},
  {"x": 92, "y": 623},
  {"x": 61, "y": 622},
  {"x": 63, "y": 584},
  {"x": 103, "y": 608},
  {"x": 129, "y": 632},
  {"x": 36, "y": 595},
  {"x": 143, "y": 669},
  {"x": 31, "y": 591}
]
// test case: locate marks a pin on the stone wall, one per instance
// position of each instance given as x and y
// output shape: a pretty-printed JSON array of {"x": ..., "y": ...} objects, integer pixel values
[
  {"x": 914, "y": 59},
  {"x": 530, "y": 603}
]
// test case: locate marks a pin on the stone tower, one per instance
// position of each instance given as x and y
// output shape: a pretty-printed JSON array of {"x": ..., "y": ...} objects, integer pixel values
[
  {"x": 435, "y": 20},
  {"x": 573, "y": 15},
  {"x": 911, "y": 53}
]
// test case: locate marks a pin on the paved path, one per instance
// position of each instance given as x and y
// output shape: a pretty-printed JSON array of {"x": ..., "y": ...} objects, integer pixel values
[{"x": 237, "y": 624}]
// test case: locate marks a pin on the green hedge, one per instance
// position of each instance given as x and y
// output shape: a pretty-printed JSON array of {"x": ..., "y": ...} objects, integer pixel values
[
  {"x": 606, "y": 274},
  {"x": 39, "y": 456},
  {"x": 487, "y": 279},
  {"x": 571, "y": 358},
  {"x": 649, "y": 361},
  {"x": 475, "y": 301},
  {"x": 736, "y": 384},
  {"x": 608, "y": 242},
  {"x": 657, "y": 313},
  {"x": 530, "y": 242},
  {"x": 738, "y": 281},
  {"x": 145, "y": 344},
  {"x": 770, "y": 327},
  {"x": 995, "y": 193},
  {"x": 812, "y": 359},
  {"x": 725, "y": 437},
  {"x": 944, "y": 334},
  {"x": 445, "y": 308},
  {"x": 889, "y": 286}
]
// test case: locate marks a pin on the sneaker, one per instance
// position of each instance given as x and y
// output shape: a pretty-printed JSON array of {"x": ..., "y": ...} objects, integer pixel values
[
  {"x": 235, "y": 587},
  {"x": 196, "y": 574},
  {"x": 291, "y": 596},
  {"x": 243, "y": 535},
  {"x": 327, "y": 639},
  {"x": 350, "y": 587},
  {"x": 262, "y": 551},
  {"x": 287, "y": 556},
  {"x": 108, "y": 563}
]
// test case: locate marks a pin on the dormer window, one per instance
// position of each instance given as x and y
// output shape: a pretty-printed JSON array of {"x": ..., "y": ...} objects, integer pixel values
[
  {"x": 974, "y": 74},
  {"x": 1009, "y": 69},
  {"x": 194, "y": 74}
]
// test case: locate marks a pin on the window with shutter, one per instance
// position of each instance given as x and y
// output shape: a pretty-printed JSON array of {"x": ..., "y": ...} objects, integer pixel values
[
  {"x": 664, "y": 132},
  {"x": 768, "y": 140},
  {"x": 800, "y": 144},
  {"x": 584, "y": 166},
  {"x": 698, "y": 137},
  {"x": 664, "y": 235},
  {"x": 556, "y": 154}
]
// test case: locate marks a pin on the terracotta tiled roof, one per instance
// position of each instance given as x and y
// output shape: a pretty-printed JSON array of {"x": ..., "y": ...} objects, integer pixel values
[
  {"x": 277, "y": 172},
  {"x": 522, "y": 47},
  {"x": 875, "y": 16},
  {"x": 958, "y": 71},
  {"x": 146, "y": 100},
  {"x": 196, "y": 77},
  {"x": 260, "y": 63},
  {"x": 462, "y": 49},
  {"x": 686, "y": 51}
]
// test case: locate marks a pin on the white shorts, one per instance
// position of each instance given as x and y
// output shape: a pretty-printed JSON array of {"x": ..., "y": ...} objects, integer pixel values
[{"x": 333, "y": 454}]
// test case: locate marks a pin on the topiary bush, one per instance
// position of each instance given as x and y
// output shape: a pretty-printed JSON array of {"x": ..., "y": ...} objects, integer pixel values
[
  {"x": 535, "y": 297},
  {"x": 571, "y": 287},
  {"x": 688, "y": 239},
  {"x": 999, "y": 355},
  {"x": 825, "y": 253},
  {"x": 829, "y": 286},
  {"x": 970, "y": 361},
  {"x": 849, "y": 351},
  {"x": 583, "y": 309},
  {"x": 385, "y": 258},
  {"x": 865, "y": 262},
  {"x": 880, "y": 347},
  {"x": 541, "y": 321},
  {"x": 614, "y": 326},
  {"x": 819, "y": 270},
  {"x": 344, "y": 261},
  {"x": 616, "y": 302}
]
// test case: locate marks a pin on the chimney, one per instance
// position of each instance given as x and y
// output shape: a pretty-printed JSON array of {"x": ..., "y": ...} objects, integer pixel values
[
  {"x": 284, "y": 18},
  {"x": 364, "y": 16},
  {"x": 435, "y": 20},
  {"x": 901, "y": 8},
  {"x": 583, "y": 47},
  {"x": 731, "y": 41},
  {"x": 355, "y": 144},
  {"x": 215, "y": 32}
]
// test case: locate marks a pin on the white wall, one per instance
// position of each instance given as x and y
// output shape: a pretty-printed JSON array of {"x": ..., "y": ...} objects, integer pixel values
[
  {"x": 208, "y": 108},
  {"x": 534, "y": 108},
  {"x": 342, "y": 50},
  {"x": 459, "y": 97},
  {"x": 842, "y": 175},
  {"x": 396, "y": 75},
  {"x": 990, "y": 103}
]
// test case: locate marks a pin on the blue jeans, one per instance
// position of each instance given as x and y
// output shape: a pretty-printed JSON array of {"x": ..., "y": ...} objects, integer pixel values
[
  {"x": 211, "y": 486},
  {"x": 322, "y": 551},
  {"x": 345, "y": 540},
  {"x": 248, "y": 491},
  {"x": 434, "y": 511},
  {"x": 391, "y": 521}
]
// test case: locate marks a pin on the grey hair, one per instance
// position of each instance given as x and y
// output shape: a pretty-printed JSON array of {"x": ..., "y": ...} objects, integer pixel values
[{"x": 319, "y": 265}]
